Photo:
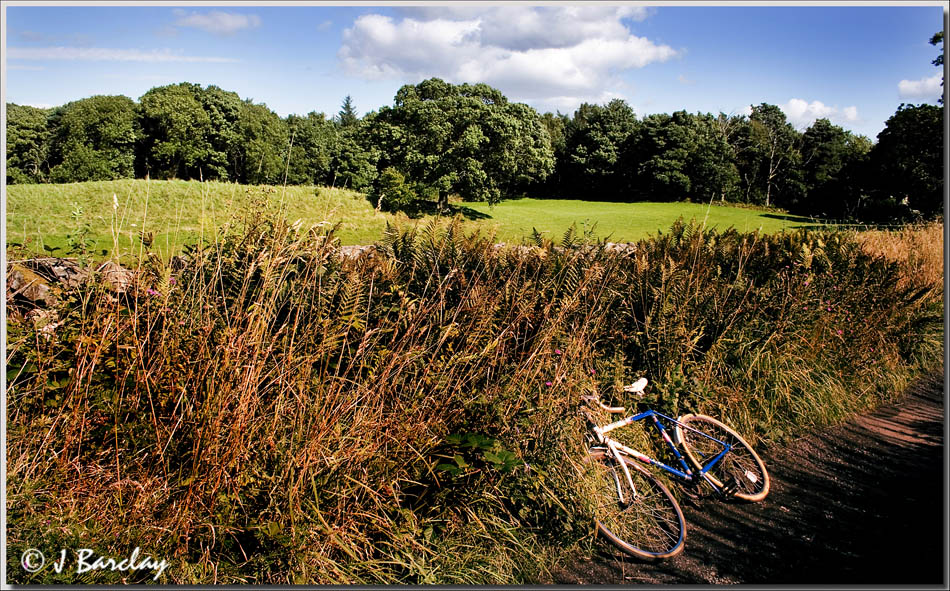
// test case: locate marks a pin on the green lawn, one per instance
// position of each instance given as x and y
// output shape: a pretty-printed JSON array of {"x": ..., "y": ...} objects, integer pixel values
[
  {"x": 621, "y": 222},
  {"x": 179, "y": 212}
]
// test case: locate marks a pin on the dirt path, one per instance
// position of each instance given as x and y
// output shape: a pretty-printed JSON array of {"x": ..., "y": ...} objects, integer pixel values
[{"x": 861, "y": 503}]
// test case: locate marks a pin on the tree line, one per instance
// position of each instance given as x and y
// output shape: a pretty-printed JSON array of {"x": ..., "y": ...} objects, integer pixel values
[{"x": 439, "y": 140}]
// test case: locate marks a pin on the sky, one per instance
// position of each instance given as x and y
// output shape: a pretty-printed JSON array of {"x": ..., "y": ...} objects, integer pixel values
[{"x": 852, "y": 64}]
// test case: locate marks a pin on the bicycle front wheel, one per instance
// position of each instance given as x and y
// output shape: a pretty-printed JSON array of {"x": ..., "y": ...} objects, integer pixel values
[
  {"x": 741, "y": 468},
  {"x": 645, "y": 522}
]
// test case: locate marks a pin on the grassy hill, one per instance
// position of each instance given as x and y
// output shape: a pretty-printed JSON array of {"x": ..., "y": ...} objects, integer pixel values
[{"x": 179, "y": 212}]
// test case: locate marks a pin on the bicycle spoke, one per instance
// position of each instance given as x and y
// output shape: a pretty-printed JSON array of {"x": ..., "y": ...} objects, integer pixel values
[
  {"x": 648, "y": 522},
  {"x": 739, "y": 471}
]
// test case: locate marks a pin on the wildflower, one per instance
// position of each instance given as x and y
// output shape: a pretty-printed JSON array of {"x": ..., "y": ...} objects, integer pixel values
[
  {"x": 547, "y": 383},
  {"x": 152, "y": 292},
  {"x": 593, "y": 371},
  {"x": 115, "y": 202},
  {"x": 557, "y": 351},
  {"x": 840, "y": 332},
  {"x": 171, "y": 281}
]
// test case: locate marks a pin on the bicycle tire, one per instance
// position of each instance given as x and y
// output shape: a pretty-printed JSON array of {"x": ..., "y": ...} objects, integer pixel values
[
  {"x": 741, "y": 463},
  {"x": 652, "y": 527}
]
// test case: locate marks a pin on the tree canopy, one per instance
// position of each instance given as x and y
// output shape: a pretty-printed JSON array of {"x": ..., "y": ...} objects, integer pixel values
[
  {"x": 461, "y": 139},
  {"x": 908, "y": 159},
  {"x": 27, "y": 144},
  {"x": 439, "y": 139}
]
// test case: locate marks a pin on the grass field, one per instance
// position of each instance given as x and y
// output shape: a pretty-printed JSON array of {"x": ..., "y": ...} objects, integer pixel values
[
  {"x": 51, "y": 217},
  {"x": 622, "y": 222}
]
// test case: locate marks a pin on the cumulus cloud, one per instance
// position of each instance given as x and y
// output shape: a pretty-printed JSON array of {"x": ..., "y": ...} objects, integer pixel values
[
  {"x": 531, "y": 53},
  {"x": 525, "y": 27},
  {"x": 217, "y": 22},
  {"x": 106, "y": 54},
  {"x": 801, "y": 113},
  {"x": 924, "y": 88}
]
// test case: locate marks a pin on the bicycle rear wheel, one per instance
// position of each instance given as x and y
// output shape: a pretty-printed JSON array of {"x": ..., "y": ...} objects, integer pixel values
[
  {"x": 645, "y": 522},
  {"x": 741, "y": 468}
]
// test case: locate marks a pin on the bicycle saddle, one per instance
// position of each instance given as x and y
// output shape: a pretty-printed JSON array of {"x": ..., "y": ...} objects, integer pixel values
[{"x": 636, "y": 387}]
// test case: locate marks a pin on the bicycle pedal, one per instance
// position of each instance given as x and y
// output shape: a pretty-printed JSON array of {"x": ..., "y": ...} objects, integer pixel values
[
  {"x": 731, "y": 487},
  {"x": 692, "y": 496}
]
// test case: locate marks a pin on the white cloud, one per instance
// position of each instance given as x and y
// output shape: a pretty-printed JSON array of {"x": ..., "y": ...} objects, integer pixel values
[
  {"x": 926, "y": 87},
  {"x": 526, "y": 27},
  {"x": 534, "y": 54},
  {"x": 217, "y": 22},
  {"x": 106, "y": 54},
  {"x": 325, "y": 26},
  {"x": 801, "y": 113}
]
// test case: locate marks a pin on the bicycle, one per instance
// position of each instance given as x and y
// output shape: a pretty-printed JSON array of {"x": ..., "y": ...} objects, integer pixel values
[{"x": 637, "y": 513}]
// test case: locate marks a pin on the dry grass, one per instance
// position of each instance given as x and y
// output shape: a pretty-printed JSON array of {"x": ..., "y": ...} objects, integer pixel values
[
  {"x": 270, "y": 414},
  {"x": 917, "y": 249}
]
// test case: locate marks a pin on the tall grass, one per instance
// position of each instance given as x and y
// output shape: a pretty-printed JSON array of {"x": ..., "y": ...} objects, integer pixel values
[
  {"x": 272, "y": 413},
  {"x": 917, "y": 249}
]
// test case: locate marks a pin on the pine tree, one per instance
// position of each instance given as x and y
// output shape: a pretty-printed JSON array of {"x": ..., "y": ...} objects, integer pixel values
[{"x": 347, "y": 116}]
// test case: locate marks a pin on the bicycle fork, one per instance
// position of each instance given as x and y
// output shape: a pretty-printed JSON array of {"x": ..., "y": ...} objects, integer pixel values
[{"x": 626, "y": 474}]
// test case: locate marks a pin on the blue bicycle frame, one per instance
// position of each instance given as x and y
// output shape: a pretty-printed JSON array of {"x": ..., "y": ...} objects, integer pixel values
[{"x": 686, "y": 473}]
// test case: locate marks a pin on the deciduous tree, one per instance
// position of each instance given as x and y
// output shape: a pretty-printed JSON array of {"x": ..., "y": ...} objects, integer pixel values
[
  {"x": 94, "y": 139},
  {"x": 909, "y": 158},
  {"x": 314, "y": 137},
  {"x": 938, "y": 61},
  {"x": 462, "y": 139},
  {"x": 27, "y": 144},
  {"x": 594, "y": 141},
  {"x": 177, "y": 134}
]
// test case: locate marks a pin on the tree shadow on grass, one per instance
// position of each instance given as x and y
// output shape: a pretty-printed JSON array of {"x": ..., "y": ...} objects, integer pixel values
[
  {"x": 424, "y": 207},
  {"x": 791, "y": 218},
  {"x": 819, "y": 224}
]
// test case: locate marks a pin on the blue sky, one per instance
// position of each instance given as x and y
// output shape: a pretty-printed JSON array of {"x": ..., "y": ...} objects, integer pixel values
[{"x": 851, "y": 64}]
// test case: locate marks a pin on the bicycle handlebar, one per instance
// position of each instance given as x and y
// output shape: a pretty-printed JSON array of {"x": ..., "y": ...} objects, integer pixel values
[{"x": 596, "y": 400}]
